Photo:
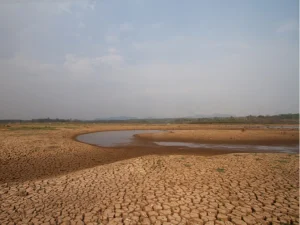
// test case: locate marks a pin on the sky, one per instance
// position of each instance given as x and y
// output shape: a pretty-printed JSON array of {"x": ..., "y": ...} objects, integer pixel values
[{"x": 148, "y": 58}]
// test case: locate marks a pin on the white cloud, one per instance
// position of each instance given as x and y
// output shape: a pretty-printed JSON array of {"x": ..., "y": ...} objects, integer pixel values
[
  {"x": 163, "y": 89},
  {"x": 289, "y": 26},
  {"x": 64, "y": 7},
  {"x": 126, "y": 27},
  {"x": 81, "y": 25},
  {"x": 115, "y": 36},
  {"x": 22, "y": 63},
  {"x": 111, "y": 59},
  {"x": 67, "y": 5},
  {"x": 78, "y": 65},
  {"x": 112, "y": 39},
  {"x": 83, "y": 66},
  {"x": 156, "y": 25},
  {"x": 90, "y": 4},
  {"x": 112, "y": 50}
]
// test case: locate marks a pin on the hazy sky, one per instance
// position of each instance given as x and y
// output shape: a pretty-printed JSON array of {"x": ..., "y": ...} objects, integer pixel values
[{"x": 158, "y": 58}]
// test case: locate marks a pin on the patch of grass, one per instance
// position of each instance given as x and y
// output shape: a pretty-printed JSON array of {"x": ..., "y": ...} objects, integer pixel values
[
  {"x": 276, "y": 167},
  {"x": 258, "y": 159},
  {"x": 221, "y": 170},
  {"x": 32, "y": 128},
  {"x": 159, "y": 162},
  {"x": 187, "y": 165},
  {"x": 22, "y": 193},
  {"x": 36, "y": 149},
  {"x": 70, "y": 127}
]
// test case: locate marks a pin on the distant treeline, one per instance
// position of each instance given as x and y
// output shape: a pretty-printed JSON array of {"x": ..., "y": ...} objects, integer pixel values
[
  {"x": 48, "y": 120},
  {"x": 281, "y": 118},
  {"x": 44, "y": 120}
]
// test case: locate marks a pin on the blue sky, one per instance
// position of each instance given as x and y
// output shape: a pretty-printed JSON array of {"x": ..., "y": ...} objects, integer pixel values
[{"x": 90, "y": 59}]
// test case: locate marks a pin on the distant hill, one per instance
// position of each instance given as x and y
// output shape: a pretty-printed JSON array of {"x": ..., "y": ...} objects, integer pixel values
[
  {"x": 124, "y": 118},
  {"x": 214, "y": 115},
  {"x": 117, "y": 118}
]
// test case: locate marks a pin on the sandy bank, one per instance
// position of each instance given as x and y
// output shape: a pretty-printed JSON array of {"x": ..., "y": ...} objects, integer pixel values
[{"x": 271, "y": 137}]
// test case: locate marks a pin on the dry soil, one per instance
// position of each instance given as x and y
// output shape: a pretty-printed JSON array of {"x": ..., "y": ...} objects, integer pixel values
[{"x": 49, "y": 178}]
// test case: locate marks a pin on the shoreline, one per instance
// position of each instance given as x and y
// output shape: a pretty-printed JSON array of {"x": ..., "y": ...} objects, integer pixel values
[{"x": 234, "y": 137}]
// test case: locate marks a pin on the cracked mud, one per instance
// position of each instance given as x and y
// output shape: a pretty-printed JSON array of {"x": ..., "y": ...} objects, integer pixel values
[{"x": 246, "y": 188}]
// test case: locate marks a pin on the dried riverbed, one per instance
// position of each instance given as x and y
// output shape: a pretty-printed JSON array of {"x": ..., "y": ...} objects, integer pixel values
[
  {"x": 226, "y": 189},
  {"x": 49, "y": 178}
]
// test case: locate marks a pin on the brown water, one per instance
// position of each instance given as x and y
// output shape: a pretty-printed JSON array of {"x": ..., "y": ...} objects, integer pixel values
[
  {"x": 126, "y": 138},
  {"x": 112, "y": 138}
]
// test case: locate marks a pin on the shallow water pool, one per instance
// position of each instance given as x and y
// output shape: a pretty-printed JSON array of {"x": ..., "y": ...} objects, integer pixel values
[{"x": 126, "y": 138}]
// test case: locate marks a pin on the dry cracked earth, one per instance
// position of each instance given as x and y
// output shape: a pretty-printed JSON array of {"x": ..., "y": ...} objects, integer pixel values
[{"x": 246, "y": 188}]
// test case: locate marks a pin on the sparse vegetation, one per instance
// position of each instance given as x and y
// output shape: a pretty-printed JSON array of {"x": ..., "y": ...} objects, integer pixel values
[
  {"x": 32, "y": 128},
  {"x": 276, "y": 167},
  {"x": 70, "y": 127},
  {"x": 282, "y": 118},
  {"x": 261, "y": 119},
  {"x": 221, "y": 170},
  {"x": 159, "y": 162}
]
